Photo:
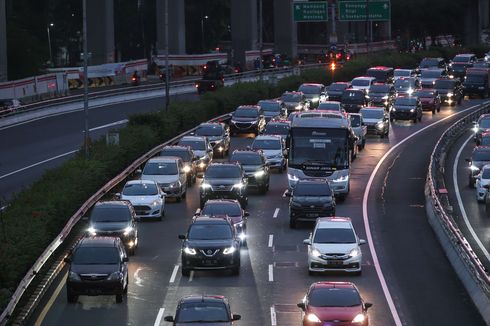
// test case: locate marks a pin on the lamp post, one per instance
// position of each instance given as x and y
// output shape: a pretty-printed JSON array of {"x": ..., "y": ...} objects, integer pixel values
[
  {"x": 202, "y": 31},
  {"x": 332, "y": 69},
  {"x": 167, "y": 68},
  {"x": 85, "y": 80},
  {"x": 49, "y": 44}
]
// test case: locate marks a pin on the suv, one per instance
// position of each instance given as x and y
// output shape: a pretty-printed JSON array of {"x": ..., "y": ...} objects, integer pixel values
[
  {"x": 428, "y": 77},
  {"x": 210, "y": 243},
  {"x": 201, "y": 148},
  {"x": 147, "y": 198},
  {"x": 98, "y": 266},
  {"x": 224, "y": 180},
  {"x": 247, "y": 119},
  {"x": 115, "y": 218},
  {"x": 353, "y": 100},
  {"x": 169, "y": 173},
  {"x": 400, "y": 73},
  {"x": 218, "y": 136},
  {"x": 406, "y": 108},
  {"x": 479, "y": 157},
  {"x": 334, "y": 246},
  {"x": 255, "y": 166},
  {"x": 428, "y": 63},
  {"x": 450, "y": 90},
  {"x": 362, "y": 83},
  {"x": 295, "y": 101},
  {"x": 315, "y": 93},
  {"x": 359, "y": 128},
  {"x": 309, "y": 199},
  {"x": 406, "y": 85},
  {"x": 381, "y": 95},
  {"x": 272, "y": 109},
  {"x": 376, "y": 120},
  {"x": 188, "y": 158},
  {"x": 274, "y": 149}
]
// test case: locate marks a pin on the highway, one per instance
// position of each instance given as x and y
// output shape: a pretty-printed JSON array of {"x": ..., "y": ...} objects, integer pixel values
[{"x": 405, "y": 272}]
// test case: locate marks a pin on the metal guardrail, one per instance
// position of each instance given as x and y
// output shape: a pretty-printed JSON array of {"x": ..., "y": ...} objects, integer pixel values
[{"x": 435, "y": 182}]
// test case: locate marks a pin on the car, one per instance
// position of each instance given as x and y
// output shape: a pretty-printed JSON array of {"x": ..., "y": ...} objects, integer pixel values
[
  {"x": 428, "y": 77},
  {"x": 428, "y": 63},
  {"x": 464, "y": 58},
  {"x": 218, "y": 136},
  {"x": 450, "y": 90},
  {"x": 381, "y": 74},
  {"x": 224, "y": 181},
  {"x": 381, "y": 95},
  {"x": 295, "y": 101},
  {"x": 188, "y": 158},
  {"x": 247, "y": 119},
  {"x": 430, "y": 99},
  {"x": 334, "y": 303},
  {"x": 168, "y": 172},
  {"x": 332, "y": 106},
  {"x": 8, "y": 105},
  {"x": 147, "y": 198},
  {"x": 363, "y": 83},
  {"x": 406, "y": 108},
  {"x": 256, "y": 168},
  {"x": 315, "y": 93},
  {"x": 274, "y": 149},
  {"x": 115, "y": 218},
  {"x": 406, "y": 85},
  {"x": 460, "y": 63},
  {"x": 272, "y": 109},
  {"x": 279, "y": 127},
  {"x": 210, "y": 243},
  {"x": 481, "y": 65},
  {"x": 360, "y": 129},
  {"x": 480, "y": 156},
  {"x": 399, "y": 73},
  {"x": 97, "y": 266},
  {"x": 376, "y": 120},
  {"x": 334, "y": 246},
  {"x": 354, "y": 100},
  {"x": 203, "y": 310},
  {"x": 310, "y": 199},
  {"x": 202, "y": 150},
  {"x": 485, "y": 139},
  {"x": 230, "y": 208},
  {"x": 335, "y": 90},
  {"x": 482, "y": 182},
  {"x": 481, "y": 126}
]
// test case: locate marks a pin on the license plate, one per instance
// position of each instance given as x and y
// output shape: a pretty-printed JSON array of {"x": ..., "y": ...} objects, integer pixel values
[
  {"x": 312, "y": 215},
  {"x": 210, "y": 262},
  {"x": 335, "y": 262}
]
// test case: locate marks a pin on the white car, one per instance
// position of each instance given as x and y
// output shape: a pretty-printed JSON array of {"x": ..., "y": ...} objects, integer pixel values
[
  {"x": 363, "y": 83},
  {"x": 146, "y": 197},
  {"x": 168, "y": 172},
  {"x": 274, "y": 149},
  {"x": 403, "y": 73},
  {"x": 482, "y": 180},
  {"x": 334, "y": 246}
]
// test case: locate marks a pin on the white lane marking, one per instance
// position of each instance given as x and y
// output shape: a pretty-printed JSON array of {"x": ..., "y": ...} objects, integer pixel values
[
  {"x": 137, "y": 279},
  {"x": 271, "y": 273},
  {"x": 174, "y": 274},
  {"x": 191, "y": 276},
  {"x": 38, "y": 163},
  {"x": 50, "y": 302},
  {"x": 112, "y": 124},
  {"x": 365, "y": 216},
  {"x": 273, "y": 316},
  {"x": 159, "y": 317},
  {"x": 276, "y": 212},
  {"x": 460, "y": 202},
  {"x": 271, "y": 239}
]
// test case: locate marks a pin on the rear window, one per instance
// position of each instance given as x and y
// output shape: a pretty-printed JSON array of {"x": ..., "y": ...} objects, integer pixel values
[
  {"x": 216, "y": 209},
  {"x": 361, "y": 82},
  {"x": 406, "y": 101},
  {"x": 329, "y": 106},
  {"x": 210, "y": 130},
  {"x": 338, "y": 87},
  {"x": 430, "y": 74},
  {"x": 379, "y": 89},
  {"x": 291, "y": 97},
  {"x": 444, "y": 83},
  {"x": 160, "y": 168},
  {"x": 183, "y": 154},
  {"x": 247, "y": 158}
]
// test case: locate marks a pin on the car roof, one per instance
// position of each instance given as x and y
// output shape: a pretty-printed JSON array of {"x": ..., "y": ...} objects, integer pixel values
[
  {"x": 403, "y": 69},
  {"x": 315, "y": 122},
  {"x": 222, "y": 201},
  {"x": 312, "y": 84},
  {"x": 211, "y": 220},
  {"x": 341, "y": 83},
  {"x": 211, "y": 124},
  {"x": 363, "y": 78},
  {"x": 163, "y": 159},
  {"x": 481, "y": 149},
  {"x": 250, "y": 107},
  {"x": 247, "y": 151},
  {"x": 293, "y": 92},
  {"x": 112, "y": 203},
  {"x": 269, "y": 137},
  {"x": 177, "y": 147},
  {"x": 372, "y": 108},
  {"x": 355, "y": 90},
  {"x": 98, "y": 241},
  {"x": 272, "y": 100},
  {"x": 193, "y": 138},
  {"x": 334, "y": 222},
  {"x": 134, "y": 182},
  {"x": 465, "y": 55},
  {"x": 196, "y": 298},
  {"x": 331, "y": 285},
  {"x": 331, "y": 102},
  {"x": 223, "y": 164},
  {"x": 380, "y": 68}
]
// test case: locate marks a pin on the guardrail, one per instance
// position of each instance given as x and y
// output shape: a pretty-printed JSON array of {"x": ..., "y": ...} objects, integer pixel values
[{"x": 474, "y": 276}]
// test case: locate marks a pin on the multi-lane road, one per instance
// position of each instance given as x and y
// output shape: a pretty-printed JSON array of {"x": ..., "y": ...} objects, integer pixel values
[{"x": 405, "y": 272}]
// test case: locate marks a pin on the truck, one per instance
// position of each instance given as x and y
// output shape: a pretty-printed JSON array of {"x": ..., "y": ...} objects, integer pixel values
[
  {"x": 322, "y": 148},
  {"x": 477, "y": 82},
  {"x": 212, "y": 78}
]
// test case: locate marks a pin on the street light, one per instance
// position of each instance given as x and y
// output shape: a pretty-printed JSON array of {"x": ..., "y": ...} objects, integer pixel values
[
  {"x": 202, "y": 31},
  {"x": 49, "y": 43},
  {"x": 332, "y": 68}
]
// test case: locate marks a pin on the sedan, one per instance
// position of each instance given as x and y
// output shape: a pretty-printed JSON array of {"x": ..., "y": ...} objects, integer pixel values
[
  {"x": 406, "y": 108},
  {"x": 147, "y": 198}
]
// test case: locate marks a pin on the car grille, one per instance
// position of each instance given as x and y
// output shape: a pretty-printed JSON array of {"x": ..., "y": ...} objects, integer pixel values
[
  {"x": 243, "y": 125},
  {"x": 142, "y": 209},
  {"x": 339, "y": 256},
  {"x": 224, "y": 188},
  {"x": 318, "y": 173},
  {"x": 209, "y": 252},
  {"x": 93, "y": 277}
]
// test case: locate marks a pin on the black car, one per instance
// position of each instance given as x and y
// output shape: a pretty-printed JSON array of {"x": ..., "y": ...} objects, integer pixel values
[
  {"x": 460, "y": 63},
  {"x": 203, "y": 309},
  {"x": 310, "y": 199},
  {"x": 382, "y": 74},
  {"x": 230, "y": 208},
  {"x": 98, "y": 266},
  {"x": 335, "y": 90},
  {"x": 247, "y": 119},
  {"x": 210, "y": 243},
  {"x": 115, "y": 218},
  {"x": 450, "y": 90},
  {"x": 381, "y": 95},
  {"x": 406, "y": 108},
  {"x": 218, "y": 136},
  {"x": 353, "y": 100},
  {"x": 477, "y": 82},
  {"x": 315, "y": 93},
  {"x": 272, "y": 109},
  {"x": 295, "y": 101},
  {"x": 481, "y": 126},
  {"x": 187, "y": 156},
  {"x": 280, "y": 127},
  {"x": 224, "y": 180},
  {"x": 255, "y": 167},
  {"x": 376, "y": 119},
  {"x": 406, "y": 85},
  {"x": 479, "y": 157}
]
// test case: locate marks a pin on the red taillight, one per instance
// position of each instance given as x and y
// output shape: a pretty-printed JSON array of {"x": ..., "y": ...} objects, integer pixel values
[
  {"x": 347, "y": 57},
  {"x": 338, "y": 55}
]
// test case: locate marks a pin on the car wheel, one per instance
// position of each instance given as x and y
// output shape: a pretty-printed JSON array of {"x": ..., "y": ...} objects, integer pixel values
[
  {"x": 244, "y": 243},
  {"x": 420, "y": 118},
  {"x": 131, "y": 251},
  {"x": 70, "y": 297},
  {"x": 243, "y": 202},
  {"x": 263, "y": 189},
  {"x": 433, "y": 111},
  {"x": 119, "y": 298},
  {"x": 363, "y": 144},
  {"x": 162, "y": 214},
  {"x": 189, "y": 181},
  {"x": 358, "y": 273},
  {"x": 382, "y": 135},
  {"x": 391, "y": 119},
  {"x": 186, "y": 272},
  {"x": 471, "y": 182},
  {"x": 235, "y": 270},
  {"x": 415, "y": 120},
  {"x": 460, "y": 100},
  {"x": 201, "y": 203},
  {"x": 292, "y": 223},
  {"x": 439, "y": 108}
]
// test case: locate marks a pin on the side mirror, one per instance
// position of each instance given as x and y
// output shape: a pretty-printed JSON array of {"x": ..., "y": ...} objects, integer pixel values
[
  {"x": 246, "y": 214},
  {"x": 362, "y": 241},
  {"x": 235, "y": 317},
  {"x": 198, "y": 212},
  {"x": 67, "y": 260},
  {"x": 307, "y": 242},
  {"x": 368, "y": 305},
  {"x": 163, "y": 195},
  {"x": 117, "y": 194},
  {"x": 285, "y": 152},
  {"x": 467, "y": 160},
  {"x": 181, "y": 236},
  {"x": 169, "y": 318},
  {"x": 195, "y": 159},
  {"x": 125, "y": 259},
  {"x": 288, "y": 193},
  {"x": 302, "y": 306},
  {"x": 138, "y": 171}
]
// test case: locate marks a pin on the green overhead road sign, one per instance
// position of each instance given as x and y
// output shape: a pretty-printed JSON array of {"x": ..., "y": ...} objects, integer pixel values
[
  {"x": 356, "y": 10},
  {"x": 310, "y": 11}
]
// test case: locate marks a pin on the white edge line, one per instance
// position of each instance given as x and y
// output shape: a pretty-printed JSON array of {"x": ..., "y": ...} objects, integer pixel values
[
  {"x": 365, "y": 216},
  {"x": 271, "y": 239},
  {"x": 174, "y": 273},
  {"x": 159, "y": 317},
  {"x": 273, "y": 316},
  {"x": 276, "y": 212},
  {"x": 38, "y": 163},
  {"x": 191, "y": 276},
  {"x": 460, "y": 202},
  {"x": 112, "y": 124},
  {"x": 271, "y": 273}
]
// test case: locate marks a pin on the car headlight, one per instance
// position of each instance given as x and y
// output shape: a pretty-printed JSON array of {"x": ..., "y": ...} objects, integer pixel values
[
  {"x": 393, "y": 109},
  {"x": 313, "y": 318},
  {"x": 410, "y": 91},
  {"x": 229, "y": 250},
  {"x": 342, "y": 178},
  {"x": 474, "y": 168},
  {"x": 380, "y": 124},
  {"x": 242, "y": 236},
  {"x": 315, "y": 99},
  {"x": 92, "y": 231},
  {"x": 292, "y": 177},
  {"x": 385, "y": 97},
  {"x": 156, "y": 203},
  {"x": 259, "y": 174},
  {"x": 205, "y": 185},
  {"x": 238, "y": 185},
  {"x": 354, "y": 252},
  {"x": 202, "y": 164},
  {"x": 74, "y": 276},
  {"x": 187, "y": 168},
  {"x": 174, "y": 184},
  {"x": 128, "y": 230},
  {"x": 115, "y": 276},
  {"x": 189, "y": 251},
  {"x": 316, "y": 253},
  {"x": 359, "y": 319},
  {"x": 450, "y": 94},
  {"x": 476, "y": 128},
  {"x": 298, "y": 107}
]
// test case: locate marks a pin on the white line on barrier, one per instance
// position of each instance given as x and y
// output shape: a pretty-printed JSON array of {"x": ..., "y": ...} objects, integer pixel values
[
  {"x": 159, "y": 317},
  {"x": 271, "y": 273},
  {"x": 273, "y": 316},
  {"x": 271, "y": 238},
  {"x": 49, "y": 304},
  {"x": 174, "y": 274},
  {"x": 112, "y": 124},
  {"x": 379, "y": 272},
  {"x": 460, "y": 202},
  {"x": 38, "y": 163},
  {"x": 276, "y": 212}
]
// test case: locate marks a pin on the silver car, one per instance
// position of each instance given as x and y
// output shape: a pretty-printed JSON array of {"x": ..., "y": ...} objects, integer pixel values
[
  {"x": 274, "y": 149},
  {"x": 359, "y": 128},
  {"x": 168, "y": 172}
]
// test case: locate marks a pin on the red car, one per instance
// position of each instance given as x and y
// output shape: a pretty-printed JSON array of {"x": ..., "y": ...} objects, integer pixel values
[
  {"x": 430, "y": 99},
  {"x": 338, "y": 303}
]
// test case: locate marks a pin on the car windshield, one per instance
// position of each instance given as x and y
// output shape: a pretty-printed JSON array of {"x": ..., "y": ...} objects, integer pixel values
[
  {"x": 403, "y": 73},
  {"x": 197, "y": 145},
  {"x": 96, "y": 256},
  {"x": 160, "y": 168},
  {"x": 210, "y": 130},
  {"x": 247, "y": 158},
  {"x": 459, "y": 68},
  {"x": 485, "y": 141},
  {"x": 202, "y": 312},
  {"x": 424, "y": 93},
  {"x": 459, "y": 58},
  {"x": 361, "y": 82},
  {"x": 372, "y": 114},
  {"x": 353, "y": 97},
  {"x": 310, "y": 89},
  {"x": 406, "y": 101},
  {"x": 485, "y": 174},
  {"x": 270, "y": 106},
  {"x": 430, "y": 74},
  {"x": 481, "y": 156},
  {"x": 337, "y": 87},
  {"x": 377, "y": 73},
  {"x": 291, "y": 98},
  {"x": 404, "y": 83},
  {"x": 246, "y": 113},
  {"x": 222, "y": 171},
  {"x": 312, "y": 189},
  {"x": 276, "y": 129},
  {"x": 481, "y": 65},
  {"x": 214, "y": 209},
  {"x": 210, "y": 232},
  {"x": 334, "y": 297},
  {"x": 140, "y": 189},
  {"x": 484, "y": 123},
  {"x": 110, "y": 214},
  {"x": 329, "y": 106},
  {"x": 382, "y": 89},
  {"x": 444, "y": 84},
  {"x": 355, "y": 120},
  {"x": 477, "y": 79},
  {"x": 429, "y": 62},
  {"x": 334, "y": 235},
  {"x": 183, "y": 154},
  {"x": 266, "y": 144}
]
